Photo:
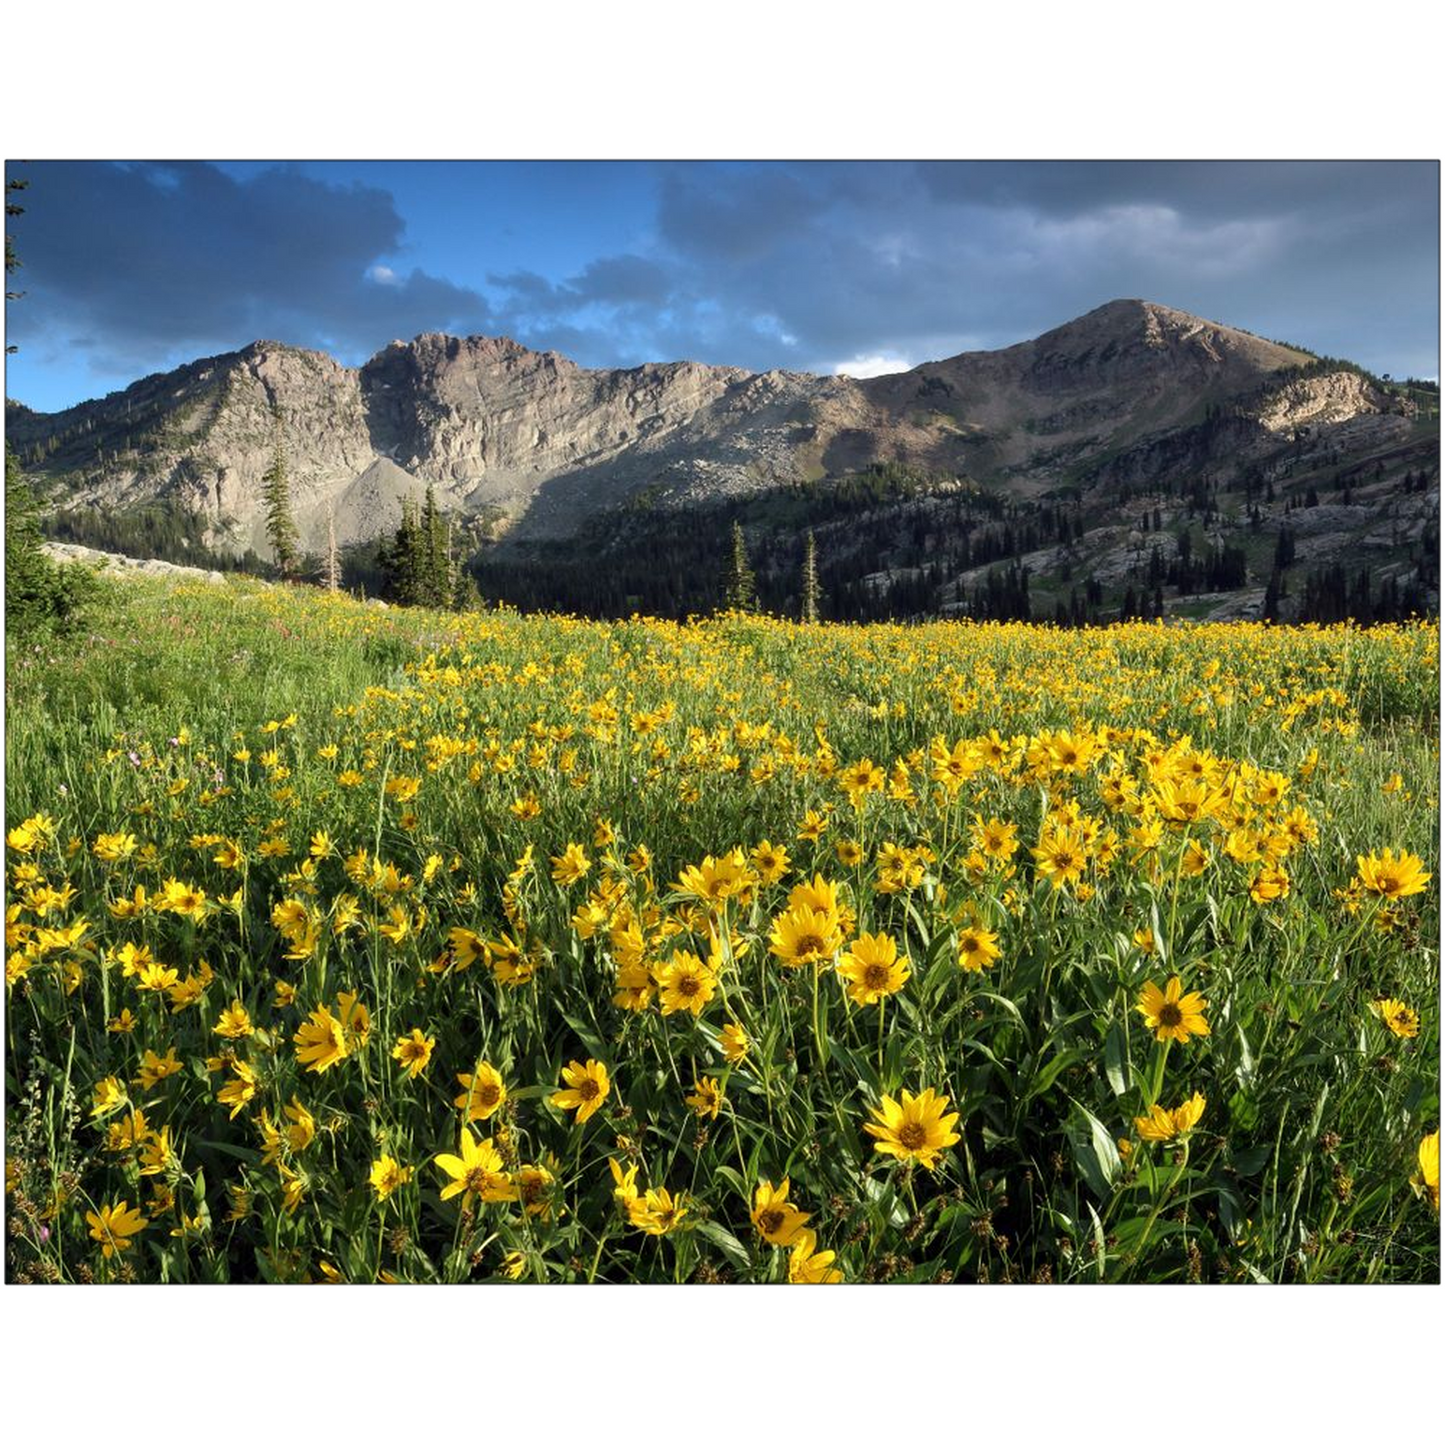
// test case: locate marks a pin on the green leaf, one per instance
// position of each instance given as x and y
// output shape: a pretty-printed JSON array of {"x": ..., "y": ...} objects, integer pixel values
[
  {"x": 884, "y": 1198},
  {"x": 731, "y": 1176},
  {"x": 725, "y": 1241},
  {"x": 1117, "y": 1068},
  {"x": 1248, "y": 1162},
  {"x": 1101, "y": 1252},
  {"x": 1095, "y": 1154},
  {"x": 1043, "y": 1080},
  {"x": 598, "y": 1049},
  {"x": 1244, "y": 1069},
  {"x": 1243, "y": 1111}
]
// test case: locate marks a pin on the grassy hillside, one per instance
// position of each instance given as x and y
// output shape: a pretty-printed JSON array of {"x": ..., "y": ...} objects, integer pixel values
[{"x": 356, "y": 943}]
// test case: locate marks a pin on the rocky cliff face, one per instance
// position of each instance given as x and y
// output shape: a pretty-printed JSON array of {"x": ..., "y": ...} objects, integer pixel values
[{"x": 493, "y": 425}]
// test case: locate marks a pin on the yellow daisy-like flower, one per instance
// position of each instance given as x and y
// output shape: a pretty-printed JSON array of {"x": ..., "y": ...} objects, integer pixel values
[
  {"x": 804, "y": 935},
  {"x": 113, "y": 847},
  {"x": 624, "y": 1182},
  {"x": 977, "y": 948},
  {"x": 534, "y": 1188},
  {"x": 1170, "y": 1015},
  {"x": 235, "y": 1022},
  {"x": 587, "y": 1087},
  {"x": 774, "y": 1218},
  {"x": 917, "y": 1128},
  {"x": 734, "y": 1042},
  {"x": 770, "y": 861},
  {"x": 413, "y": 1052},
  {"x": 1196, "y": 859},
  {"x": 1402, "y": 1021},
  {"x": 706, "y": 1099},
  {"x": 302, "y": 1128},
  {"x": 156, "y": 1154},
  {"x": 656, "y": 1212},
  {"x": 813, "y": 826},
  {"x": 156, "y": 977},
  {"x": 873, "y": 968},
  {"x": 155, "y": 1067},
  {"x": 478, "y": 1170},
  {"x": 320, "y": 1041},
  {"x": 239, "y": 1092},
  {"x": 109, "y": 1096},
  {"x": 1160, "y": 1125},
  {"x": 1392, "y": 877},
  {"x": 1429, "y": 1176},
  {"x": 387, "y": 1176},
  {"x": 805, "y": 1266},
  {"x": 1061, "y": 856},
  {"x": 570, "y": 866},
  {"x": 483, "y": 1093},
  {"x": 1269, "y": 885},
  {"x": 113, "y": 1226},
  {"x": 716, "y": 879},
  {"x": 995, "y": 838},
  {"x": 684, "y": 982}
]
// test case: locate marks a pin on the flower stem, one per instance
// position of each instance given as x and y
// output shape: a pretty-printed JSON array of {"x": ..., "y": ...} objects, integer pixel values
[{"x": 1161, "y": 1059}]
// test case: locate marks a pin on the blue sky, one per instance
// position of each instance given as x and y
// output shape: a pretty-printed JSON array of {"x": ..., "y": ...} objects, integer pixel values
[{"x": 133, "y": 268}]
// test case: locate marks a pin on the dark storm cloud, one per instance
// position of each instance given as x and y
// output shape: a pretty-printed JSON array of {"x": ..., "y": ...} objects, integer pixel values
[
  {"x": 625, "y": 280},
  {"x": 844, "y": 261},
  {"x": 734, "y": 218},
  {"x": 144, "y": 262},
  {"x": 860, "y": 266},
  {"x": 1198, "y": 188}
]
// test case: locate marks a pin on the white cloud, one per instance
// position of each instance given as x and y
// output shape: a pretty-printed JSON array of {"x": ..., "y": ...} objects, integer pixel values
[
  {"x": 383, "y": 275},
  {"x": 878, "y": 365}
]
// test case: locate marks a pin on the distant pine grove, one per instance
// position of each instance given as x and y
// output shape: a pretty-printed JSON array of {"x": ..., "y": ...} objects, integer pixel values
[{"x": 888, "y": 543}]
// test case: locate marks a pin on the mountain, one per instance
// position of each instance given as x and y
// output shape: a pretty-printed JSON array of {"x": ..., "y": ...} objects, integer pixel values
[{"x": 1130, "y": 401}]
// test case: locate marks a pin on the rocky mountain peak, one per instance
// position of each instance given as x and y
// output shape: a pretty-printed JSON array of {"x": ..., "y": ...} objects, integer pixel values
[{"x": 497, "y": 427}]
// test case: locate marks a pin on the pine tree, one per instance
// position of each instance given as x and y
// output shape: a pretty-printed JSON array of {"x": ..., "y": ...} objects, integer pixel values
[
  {"x": 811, "y": 591},
  {"x": 280, "y": 525},
  {"x": 12, "y": 258},
  {"x": 402, "y": 561},
  {"x": 432, "y": 589},
  {"x": 741, "y": 591}
]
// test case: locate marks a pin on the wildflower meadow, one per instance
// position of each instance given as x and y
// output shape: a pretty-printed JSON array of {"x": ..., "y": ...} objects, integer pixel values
[{"x": 353, "y": 944}]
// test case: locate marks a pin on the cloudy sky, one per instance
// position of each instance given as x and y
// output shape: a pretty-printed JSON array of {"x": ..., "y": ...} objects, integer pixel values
[{"x": 859, "y": 267}]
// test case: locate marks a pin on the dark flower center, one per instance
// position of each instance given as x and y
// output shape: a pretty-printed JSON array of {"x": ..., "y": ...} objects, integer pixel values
[
  {"x": 487, "y": 1095},
  {"x": 875, "y": 976},
  {"x": 1170, "y": 1016},
  {"x": 687, "y": 985},
  {"x": 912, "y": 1135},
  {"x": 588, "y": 1088},
  {"x": 771, "y": 1221},
  {"x": 809, "y": 943}
]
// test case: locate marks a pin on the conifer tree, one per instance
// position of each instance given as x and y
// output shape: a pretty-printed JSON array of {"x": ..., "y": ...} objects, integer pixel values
[
  {"x": 407, "y": 557},
  {"x": 280, "y": 525},
  {"x": 811, "y": 590},
  {"x": 432, "y": 589},
  {"x": 741, "y": 592}
]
